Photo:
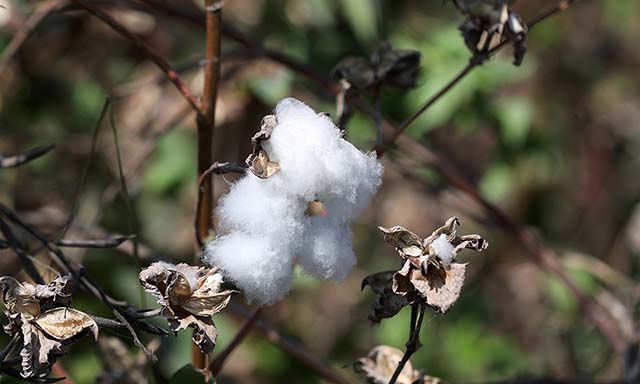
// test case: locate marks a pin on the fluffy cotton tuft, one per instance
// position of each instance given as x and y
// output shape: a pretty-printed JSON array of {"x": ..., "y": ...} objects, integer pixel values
[
  {"x": 443, "y": 249},
  {"x": 262, "y": 222}
]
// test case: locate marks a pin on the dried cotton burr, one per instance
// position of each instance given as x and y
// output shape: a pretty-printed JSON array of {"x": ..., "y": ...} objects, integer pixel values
[
  {"x": 430, "y": 273},
  {"x": 299, "y": 157}
]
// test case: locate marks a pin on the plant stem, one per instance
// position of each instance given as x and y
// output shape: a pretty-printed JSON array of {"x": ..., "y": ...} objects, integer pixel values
[
  {"x": 417, "y": 314},
  {"x": 206, "y": 126}
]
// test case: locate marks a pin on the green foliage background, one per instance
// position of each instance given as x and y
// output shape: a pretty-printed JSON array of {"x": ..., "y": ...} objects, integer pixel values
[{"x": 554, "y": 142}]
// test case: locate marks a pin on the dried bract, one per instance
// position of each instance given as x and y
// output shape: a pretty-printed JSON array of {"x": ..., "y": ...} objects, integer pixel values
[
  {"x": 258, "y": 161},
  {"x": 40, "y": 314},
  {"x": 189, "y": 296},
  {"x": 382, "y": 361},
  {"x": 388, "y": 303},
  {"x": 429, "y": 270}
]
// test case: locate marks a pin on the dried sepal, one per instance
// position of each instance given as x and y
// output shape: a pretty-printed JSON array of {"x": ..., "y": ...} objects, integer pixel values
[
  {"x": 258, "y": 161},
  {"x": 438, "y": 288},
  {"x": 380, "y": 364},
  {"x": 387, "y": 303},
  {"x": 189, "y": 296},
  {"x": 204, "y": 330},
  {"x": 260, "y": 165},
  {"x": 406, "y": 242}
]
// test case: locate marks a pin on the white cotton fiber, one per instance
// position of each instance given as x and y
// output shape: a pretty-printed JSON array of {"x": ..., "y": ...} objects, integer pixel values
[
  {"x": 327, "y": 252},
  {"x": 262, "y": 222},
  {"x": 442, "y": 248},
  {"x": 260, "y": 267}
]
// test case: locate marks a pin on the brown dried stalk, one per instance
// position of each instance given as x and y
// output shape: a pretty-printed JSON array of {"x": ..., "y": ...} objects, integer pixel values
[
  {"x": 417, "y": 315},
  {"x": 206, "y": 127}
]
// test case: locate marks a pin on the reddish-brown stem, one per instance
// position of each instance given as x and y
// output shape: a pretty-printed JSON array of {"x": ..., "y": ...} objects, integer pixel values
[
  {"x": 206, "y": 127},
  {"x": 145, "y": 49},
  {"x": 244, "y": 331}
]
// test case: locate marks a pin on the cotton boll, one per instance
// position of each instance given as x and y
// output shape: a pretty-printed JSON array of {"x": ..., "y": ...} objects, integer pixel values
[
  {"x": 257, "y": 265},
  {"x": 263, "y": 222},
  {"x": 442, "y": 248},
  {"x": 328, "y": 252}
]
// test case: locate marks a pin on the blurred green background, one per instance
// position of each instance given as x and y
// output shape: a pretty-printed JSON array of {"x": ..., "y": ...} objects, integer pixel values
[{"x": 555, "y": 143}]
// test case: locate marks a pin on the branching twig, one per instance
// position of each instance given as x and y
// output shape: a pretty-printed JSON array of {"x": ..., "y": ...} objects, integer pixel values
[{"x": 145, "y": 49}]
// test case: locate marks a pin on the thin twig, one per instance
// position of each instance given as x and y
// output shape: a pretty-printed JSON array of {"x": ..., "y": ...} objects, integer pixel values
[
  {"x": 43, "y": 9},
  {"x": 112, "y": 242},
  {"x": 18, "y": 248},
  {"x": 145, "y": 49},
  {"x": 244, "y": 331}
]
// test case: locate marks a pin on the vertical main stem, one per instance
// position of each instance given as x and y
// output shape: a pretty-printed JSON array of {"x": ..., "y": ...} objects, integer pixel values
[{"x": 206, "y": 127}]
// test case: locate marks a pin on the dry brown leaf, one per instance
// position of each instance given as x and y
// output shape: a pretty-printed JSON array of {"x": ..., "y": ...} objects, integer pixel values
[
  {"x": 406, "y": 242},
  {"x": 65, "y": 323}
]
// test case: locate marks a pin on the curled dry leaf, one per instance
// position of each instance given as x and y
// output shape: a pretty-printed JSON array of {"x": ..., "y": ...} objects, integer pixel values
[
  {"x": 189, "y": 296},
  {"x": 46, "y": 325},
  {"x": 429, "y": 270},
  {"x": 258, "y": 161},
  {"x": 382, "y": 361}
]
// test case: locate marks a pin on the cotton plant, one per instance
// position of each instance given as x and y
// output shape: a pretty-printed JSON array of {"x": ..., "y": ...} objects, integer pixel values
[{"x": 269, "y": 220}]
